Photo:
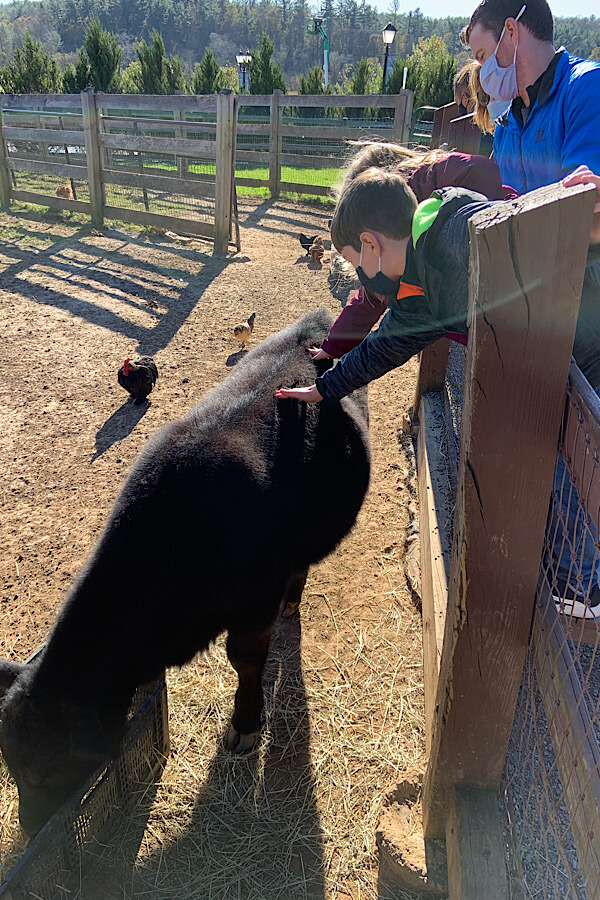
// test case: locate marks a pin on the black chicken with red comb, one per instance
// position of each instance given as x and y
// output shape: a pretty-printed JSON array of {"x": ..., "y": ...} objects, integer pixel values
[
  {"x": 138, "y": 378},
  {"x": 306, "y": 242}
]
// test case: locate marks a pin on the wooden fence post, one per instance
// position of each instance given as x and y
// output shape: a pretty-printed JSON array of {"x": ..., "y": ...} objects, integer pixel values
[
  {"x": 528, "y": 258},
  {"x": 275, "y": 144},
  {"x": 432, "y": 371},
  {"x": 4, "y": 176},
  {"x": 92, "y": 154},
  {"x": 402, "y": 116},
  {"x": 225, "y": 149}
]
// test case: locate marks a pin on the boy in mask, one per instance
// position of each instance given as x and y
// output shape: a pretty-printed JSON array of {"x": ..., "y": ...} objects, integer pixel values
[{"x": 418, "y": 257}]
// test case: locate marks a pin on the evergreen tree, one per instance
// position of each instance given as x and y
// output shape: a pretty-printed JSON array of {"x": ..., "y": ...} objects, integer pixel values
[
  {"x": 431, "y": 71},
  {"x": 157, "y": 73},
  {"x": 313, "y": 84},
  {"x": 31, "y": 71},
  {"x": 104, "y": 55},
  {"x": 77, "y": 78},
  {"x": 265, "y": 75},
  {"x": 208, "y": 78}
]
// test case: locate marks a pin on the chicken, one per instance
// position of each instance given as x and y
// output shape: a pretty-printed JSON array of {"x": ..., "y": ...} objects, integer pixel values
[
  {"x": 242, "y": 332},
  {"x": 65, "y": 191},
  {"x": 306, "y": 242},
  {"x": 317, "y": 250},
  {"x": 138, "y": 377}
]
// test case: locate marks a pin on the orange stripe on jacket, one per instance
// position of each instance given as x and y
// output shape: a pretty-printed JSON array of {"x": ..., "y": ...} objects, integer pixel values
[{"x": 409, "y": 290}]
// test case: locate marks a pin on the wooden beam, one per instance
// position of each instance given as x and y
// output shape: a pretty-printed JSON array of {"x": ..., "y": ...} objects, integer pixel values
[
  {"x": 300, "y": 187},
  {"x": 432, "y": 371},
  {"x": 184, "y": 146},
  {"x": 51, "y": 201},
  {"x": 19, "y": 164},
  {"x": 4, "y": 171},
  {"x": 343, "y": 131},
  {"x": 315, "y": 162},
  {"x": 275, "y": 144},
  {"x": 44, "y": 135},
  {"x": 573, "y": 737},
  {"x": 402, "y": 116},
  {"x": 225, "y": 150},
  {"x": 159, "y": 124},
  {"x": 169, "y": 223},
  {"x": 23, "y": 101},
  {"x": 383, "y": 101},
  {"x": 435, "y": 535},
  {"x": 260, "y": 157},
  {"x": 186, "y": 186},
  {"x": 158, "y": 102},
  {"x": 475, "y": 847},
  {"x": 93, "y": 157},
  {"x": 527, "y": 263}
]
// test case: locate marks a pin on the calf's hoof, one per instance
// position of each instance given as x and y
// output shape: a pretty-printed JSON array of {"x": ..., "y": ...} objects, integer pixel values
[
  {"x": 290, "y": 609},
  {"x": 241, "y": 743}
]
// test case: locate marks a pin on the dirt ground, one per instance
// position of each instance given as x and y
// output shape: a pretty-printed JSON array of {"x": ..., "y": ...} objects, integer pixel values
[{"x": 74, "y": 302}]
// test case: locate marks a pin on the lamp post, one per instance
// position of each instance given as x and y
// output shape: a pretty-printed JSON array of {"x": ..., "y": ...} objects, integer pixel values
[
  {"x": 242, "y": 59},
  {"x": 389, "y": 33}
]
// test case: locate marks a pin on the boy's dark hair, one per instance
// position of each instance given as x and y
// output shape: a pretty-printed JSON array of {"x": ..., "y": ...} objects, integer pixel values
[
  {"x": 492, "y": 14},
  {"x": 376, "y": 200}
]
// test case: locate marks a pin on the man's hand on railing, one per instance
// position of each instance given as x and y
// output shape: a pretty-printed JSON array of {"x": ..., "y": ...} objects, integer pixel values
[{"x": 583, "y": 175}]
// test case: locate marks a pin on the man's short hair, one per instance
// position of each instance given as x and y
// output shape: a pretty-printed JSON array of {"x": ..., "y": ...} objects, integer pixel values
[
  {"x": 376, "y": 200},
  {"x": 492, "y": 14}
]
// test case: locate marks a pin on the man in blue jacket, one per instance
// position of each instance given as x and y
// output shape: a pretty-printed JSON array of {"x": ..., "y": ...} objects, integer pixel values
[
  {"x": 553, "y": 123},
  {"x": 550, "y": 129}
]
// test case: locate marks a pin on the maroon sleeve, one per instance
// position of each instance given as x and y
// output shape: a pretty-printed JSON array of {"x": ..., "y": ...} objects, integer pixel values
[
  {"x": 476, "y": 173},
  {"x": 353, "y": 323}
]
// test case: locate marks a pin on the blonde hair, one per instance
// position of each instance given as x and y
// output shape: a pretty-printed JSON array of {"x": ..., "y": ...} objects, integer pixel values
[
  {"x": 376, "y": 200},
  {"x": 481, "y": 115},
  {"x": 390, "y": 156}
]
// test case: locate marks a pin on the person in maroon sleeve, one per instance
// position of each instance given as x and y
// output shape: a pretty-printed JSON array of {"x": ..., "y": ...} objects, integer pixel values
[{"x": 425, "y": 172}]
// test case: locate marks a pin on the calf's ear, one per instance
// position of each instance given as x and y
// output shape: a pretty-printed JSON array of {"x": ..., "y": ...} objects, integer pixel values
[{"x": 8, "y": 673}]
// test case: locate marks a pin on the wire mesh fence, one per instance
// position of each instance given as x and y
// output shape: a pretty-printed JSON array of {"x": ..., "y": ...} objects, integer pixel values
[{"x": 552, "y": 783}]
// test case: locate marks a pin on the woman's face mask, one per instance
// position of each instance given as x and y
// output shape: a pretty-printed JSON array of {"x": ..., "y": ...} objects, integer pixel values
[
  {"x": 501, "y": 83},
  {"x": 379, "y": 283}
]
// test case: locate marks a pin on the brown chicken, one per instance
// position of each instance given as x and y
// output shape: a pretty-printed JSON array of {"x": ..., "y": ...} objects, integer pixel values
[
  {"x": 243, "y": 331},
  {"x": 65, "y": 191},
  {"x": 317, "y": 250},
  {"x": 138, "y": 378}
]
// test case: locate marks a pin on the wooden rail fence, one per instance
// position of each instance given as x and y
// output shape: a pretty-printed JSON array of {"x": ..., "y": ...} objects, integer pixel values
[{"x": 104, "y": 137}]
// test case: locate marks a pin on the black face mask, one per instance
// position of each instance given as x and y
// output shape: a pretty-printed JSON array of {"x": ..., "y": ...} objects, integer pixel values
[
  {"x": 462, "y": 109},
  {"x": 380, "y": 283}
]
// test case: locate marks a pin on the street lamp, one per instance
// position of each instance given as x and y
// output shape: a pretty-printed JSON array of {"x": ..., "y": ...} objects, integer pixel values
[
  {"x": 389, "y": 33},
  {"x": 242, "y": 59}
]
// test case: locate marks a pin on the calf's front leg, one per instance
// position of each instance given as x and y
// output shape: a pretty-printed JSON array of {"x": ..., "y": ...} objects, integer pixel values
[{"x": 247, "y": 653}]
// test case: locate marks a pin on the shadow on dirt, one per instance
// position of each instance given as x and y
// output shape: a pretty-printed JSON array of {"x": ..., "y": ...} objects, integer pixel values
[{"x": 119, "y": 426}]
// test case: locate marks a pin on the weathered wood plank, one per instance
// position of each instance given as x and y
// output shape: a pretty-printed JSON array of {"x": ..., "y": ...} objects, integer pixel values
[
  {"x": 24, "y": 101},
  {"x": 93, "y": 156},
  {"x": 263, "y": 128},
  {"x": 50, "y": 200},
  {"x": 313, "y": 162},
  {"x": 42, "y": 167},
  {"x": 251, "y": 182},
  {"x": 158, "y": 102},
  {"x": 44, "y": 135},
  {"x": 582, "y": 419},
  {"x": 527, "y": 263},
  {"x": 434, "y": 525},
  {"x": 403, "y": 116},
  {"x": 275, "y": 145},
  {"x": 4, "y": 172},
  {"x": 158, "y": 124},
  {"x": 369, "y": 101},
  {"x": 432, "y": 371},
  {"x": 300, "y": 187},
  {"x": 261, "y": 157},
  {"x": 475, "y": 847},
  {"x": 186, "y": 186},
  {"x": 344, "y": 131},
  {"x": 573, "y": 738},
  {"x": 225, "y": 150},
  {"x": 144, "y": 143},
  {"x": 464, "y": 135},
  {"x": 169, "y": 223}
]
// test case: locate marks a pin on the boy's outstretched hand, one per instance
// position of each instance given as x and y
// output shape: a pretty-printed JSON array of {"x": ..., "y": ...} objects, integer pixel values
[{"x": 308, "y": 394}]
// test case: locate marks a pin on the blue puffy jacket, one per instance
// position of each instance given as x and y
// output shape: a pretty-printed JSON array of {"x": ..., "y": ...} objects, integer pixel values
[{"x": 561, "y": 133}]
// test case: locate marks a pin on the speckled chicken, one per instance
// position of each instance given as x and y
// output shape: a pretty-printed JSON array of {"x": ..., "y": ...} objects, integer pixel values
[
  {"x": 317, "y": 250},
  {"x": 138, "y": 378},
  {"x": 243, "y": 331}
]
